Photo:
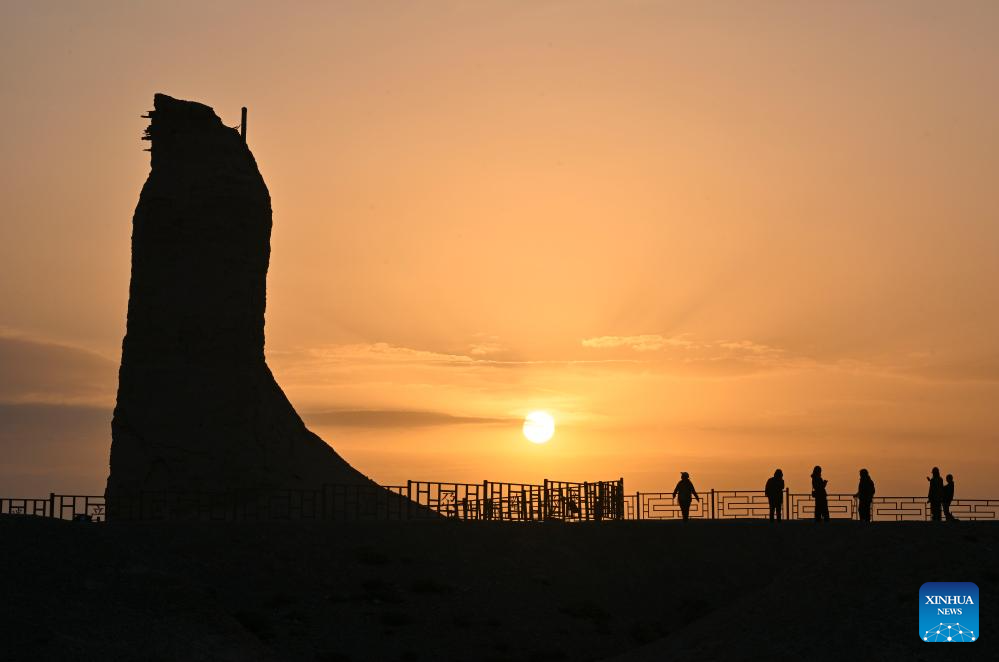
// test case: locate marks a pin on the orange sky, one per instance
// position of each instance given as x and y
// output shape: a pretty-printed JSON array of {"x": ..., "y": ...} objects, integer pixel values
[{"x": 713, "y": 238}]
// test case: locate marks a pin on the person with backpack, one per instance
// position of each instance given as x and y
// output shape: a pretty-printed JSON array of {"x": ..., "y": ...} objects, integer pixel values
[
  {"x": 948, "y": 496},
  {"x": 683, "y": 492},
  {"x": 820, "y": 496},
  {"x": 935, "y": 496},
  {"x": 865, "y": 496},
  {"x": 775, "y": 494}
]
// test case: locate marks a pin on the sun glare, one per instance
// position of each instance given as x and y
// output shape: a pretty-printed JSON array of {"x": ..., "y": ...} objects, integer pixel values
[{"x": 539, "y": 426}]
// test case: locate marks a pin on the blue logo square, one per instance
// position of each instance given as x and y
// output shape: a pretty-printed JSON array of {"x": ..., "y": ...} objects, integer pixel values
[{"x": 948, "y": 612}]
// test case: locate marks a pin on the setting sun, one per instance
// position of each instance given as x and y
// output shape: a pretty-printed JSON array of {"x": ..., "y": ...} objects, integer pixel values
[{"x": 539, "y": 426}]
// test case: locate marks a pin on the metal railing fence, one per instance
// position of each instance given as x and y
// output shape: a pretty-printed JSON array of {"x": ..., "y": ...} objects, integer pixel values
[
  {"x": 488, "y": 500},
  {"x": 485, "y": 501},
  {"x": 754, "y": 504}
]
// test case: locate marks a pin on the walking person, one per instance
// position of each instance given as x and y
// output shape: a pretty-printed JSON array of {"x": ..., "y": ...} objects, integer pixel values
[
  {"x": 819, "y": 493},
  {"x": 775, "y": 494},
  {"x": 683, "y": 492},
  {"x": 865, "y": 495},
  {"x": 948, "y": 496},
  {"x": 935, "y": 496}
]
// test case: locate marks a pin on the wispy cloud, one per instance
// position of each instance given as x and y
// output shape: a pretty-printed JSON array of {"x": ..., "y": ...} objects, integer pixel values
[
  {"x": 486, "y": 345},
  {"x": 387, "y": 354},
  {"x": 691, "y": 352},
  {"x": 381, "y": 352},
  {"x": 394, "y": 418},
  {"x": 642, "y": 343},
  {"x": 37, "y": 371}
]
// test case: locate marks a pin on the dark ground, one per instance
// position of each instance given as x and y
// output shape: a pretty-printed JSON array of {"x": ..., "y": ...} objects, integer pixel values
[{"x": 479, "y": 591}]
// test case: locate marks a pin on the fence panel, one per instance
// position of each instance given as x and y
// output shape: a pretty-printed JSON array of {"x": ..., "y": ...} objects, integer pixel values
[
  {"x": 451, "y": 500},
  {"x": 841, "y": 506},
  {"x": 514, "y": 502},
  {"x": 70, "y": 506},
  {"x": 605, "y": 499},
  {"x": 975, "y": 509},
  {"x": 741, "y": 505},
  {"x": 35, "y": 507},
  {"x": 563, "y": 500},
  {"x": 899, "y": 509},
  {"x": 662, "y": 506}
]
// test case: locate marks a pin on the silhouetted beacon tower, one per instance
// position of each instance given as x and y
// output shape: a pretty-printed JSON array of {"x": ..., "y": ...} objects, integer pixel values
[{"x": 198, "y": 408}]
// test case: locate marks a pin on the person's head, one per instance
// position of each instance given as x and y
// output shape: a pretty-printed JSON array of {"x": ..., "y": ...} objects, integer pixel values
[
  {"x": 817, "y": 471},
  {"x": 863, "y": 473},
  {"x": 684, "y": 475},
  {"x": 778, "y": 474},
  {"x": 950, "y": 478},
  {"x": 936, "y": 471}
]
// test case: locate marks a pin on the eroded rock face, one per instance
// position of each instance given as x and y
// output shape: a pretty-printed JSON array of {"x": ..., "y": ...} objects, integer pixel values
[{"x": 198, "y": 408}]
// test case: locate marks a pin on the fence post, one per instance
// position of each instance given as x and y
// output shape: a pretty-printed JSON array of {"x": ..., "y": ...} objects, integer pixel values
[
  {"x": 598, "y": 507},
  {"x": 544, "y": 502},
  {"x": 712, "y": 503},
  {"x": 51, "y": 504},
  {"x": 409, "y": 499},
  {"x": 787, "y": 502},
  {"x": 620, "y": 498},
  {"x": 638, "y": 505}
]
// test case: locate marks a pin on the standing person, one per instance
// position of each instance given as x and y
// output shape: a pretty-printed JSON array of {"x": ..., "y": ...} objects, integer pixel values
[
  {"x": 948, "y": 496},
  {"x": 685, "y": 490},
  {"x": 865, "y": 495},
  {"x": 936, "y": 494},
  {"x": 819, "y": 492},
  {"x": 775, "y": 494}
]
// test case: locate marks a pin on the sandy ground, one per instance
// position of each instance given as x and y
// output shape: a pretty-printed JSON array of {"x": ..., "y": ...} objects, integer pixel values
[{"x": 413, "y": 591}]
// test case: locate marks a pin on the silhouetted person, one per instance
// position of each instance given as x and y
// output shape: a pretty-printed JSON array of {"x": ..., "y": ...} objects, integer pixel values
[
  {"x": 819, "y": 493},
  {"x": 573, "y": 507},
  {"x": 936, "y": 493},
  {"x": 683, "y": 492},
  {"x": 775, "y": 494},
  {"x": 865, "y": 495},
  {"x": 948, "y": 496}
]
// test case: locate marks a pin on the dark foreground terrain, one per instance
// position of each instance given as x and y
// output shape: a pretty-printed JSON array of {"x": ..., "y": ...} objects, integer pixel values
[{"x": 459, "y": 591}]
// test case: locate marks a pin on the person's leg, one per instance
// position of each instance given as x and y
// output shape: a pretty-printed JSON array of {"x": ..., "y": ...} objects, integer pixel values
[
  {"x": 779, "y": 508},
  {"x": 946, "y": 510},
  {"x": 935, "y": 510},
  {"x": 685, "y": 509}
]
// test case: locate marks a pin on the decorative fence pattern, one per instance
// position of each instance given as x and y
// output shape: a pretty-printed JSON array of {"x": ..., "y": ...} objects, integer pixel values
[
  {"x": 514, "y": 502},
  {"x": 746, "y": 504},
  {"x": 485, "y": 501}
]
